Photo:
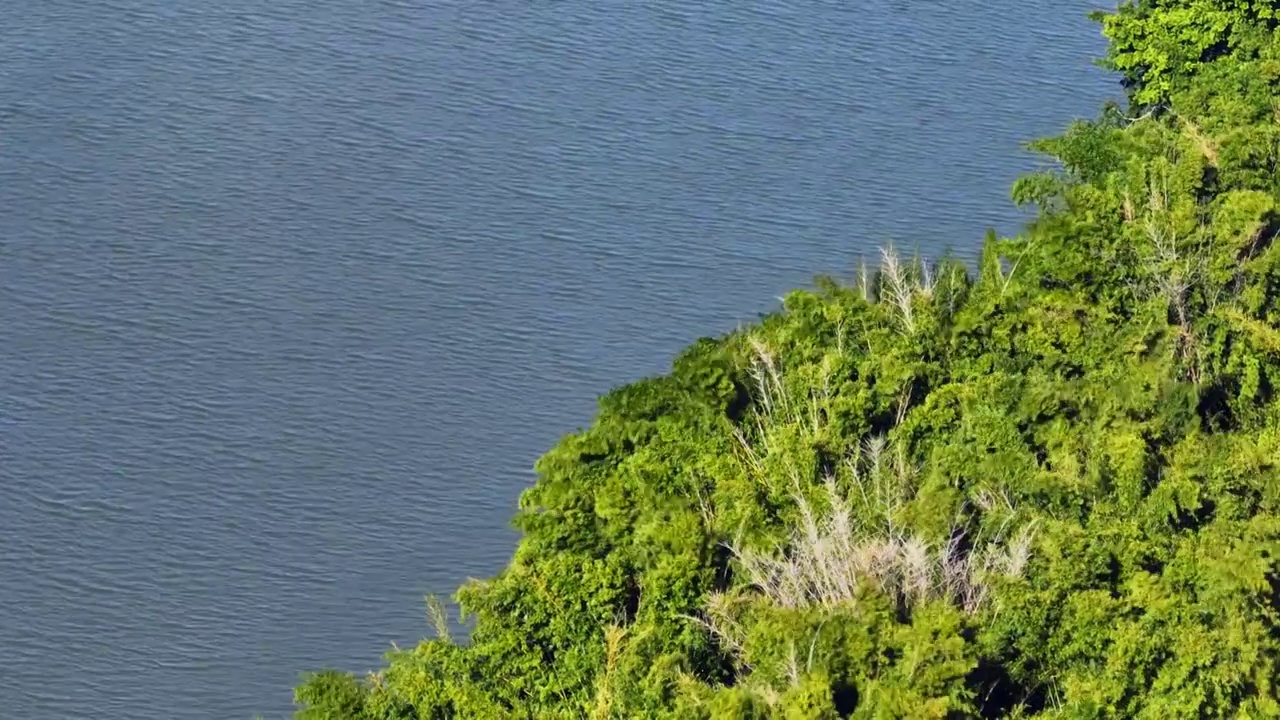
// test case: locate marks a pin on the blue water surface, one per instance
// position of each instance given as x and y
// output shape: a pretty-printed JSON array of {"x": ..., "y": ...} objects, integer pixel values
[{"x": 292, "y": 294}]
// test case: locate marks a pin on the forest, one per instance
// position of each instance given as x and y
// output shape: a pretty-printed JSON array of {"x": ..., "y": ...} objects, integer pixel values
[{"x": 1045, "y": 485}]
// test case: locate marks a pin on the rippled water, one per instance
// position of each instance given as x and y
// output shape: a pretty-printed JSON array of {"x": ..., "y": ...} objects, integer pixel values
[{"x": 293, "y": 293}]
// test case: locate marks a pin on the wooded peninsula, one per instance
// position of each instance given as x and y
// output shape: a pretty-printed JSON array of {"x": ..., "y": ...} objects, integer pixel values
[{"x": 1047, "y": 485}]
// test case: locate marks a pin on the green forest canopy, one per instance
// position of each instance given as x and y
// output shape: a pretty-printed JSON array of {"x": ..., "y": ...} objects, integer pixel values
[{"x": 1047, "y": 485}]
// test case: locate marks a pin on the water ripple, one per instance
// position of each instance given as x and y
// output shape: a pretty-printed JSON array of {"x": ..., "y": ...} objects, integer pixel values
[{"x": 293, "y": 294}]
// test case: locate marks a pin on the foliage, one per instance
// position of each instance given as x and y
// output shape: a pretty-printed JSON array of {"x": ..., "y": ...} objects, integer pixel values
[{"x": 1048, "y": 486}]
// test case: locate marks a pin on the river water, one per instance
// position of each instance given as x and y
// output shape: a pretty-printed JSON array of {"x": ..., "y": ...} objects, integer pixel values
[{"x": 292, "y": 294}]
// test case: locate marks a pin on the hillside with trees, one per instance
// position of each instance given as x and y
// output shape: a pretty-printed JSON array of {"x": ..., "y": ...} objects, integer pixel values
[{"x": 1046, "y": 485}]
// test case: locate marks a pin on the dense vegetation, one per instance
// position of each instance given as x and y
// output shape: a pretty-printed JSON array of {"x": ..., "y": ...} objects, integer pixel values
[{"x": 1047, "y": 485}]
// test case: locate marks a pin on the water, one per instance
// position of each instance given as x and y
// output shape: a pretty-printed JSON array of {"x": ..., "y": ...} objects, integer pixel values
[{"x": 293, "y": 293}]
